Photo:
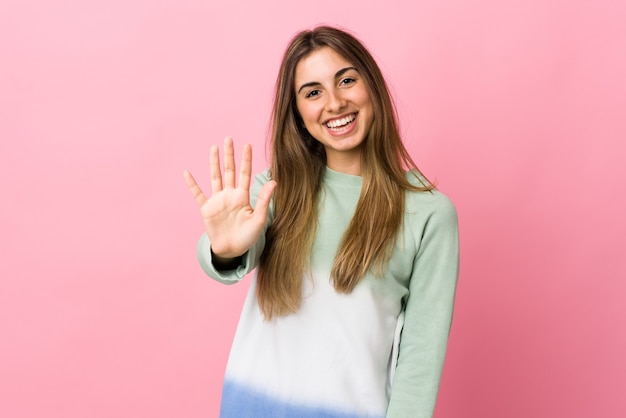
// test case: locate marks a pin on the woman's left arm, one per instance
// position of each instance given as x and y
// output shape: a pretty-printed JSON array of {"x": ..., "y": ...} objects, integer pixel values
[{"x": 428, "y": 315}]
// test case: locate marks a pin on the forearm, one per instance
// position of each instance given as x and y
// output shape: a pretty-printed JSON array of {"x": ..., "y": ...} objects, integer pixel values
[
  {"x": 227, "y": 271},
  {"x": 221, "y": 263}
]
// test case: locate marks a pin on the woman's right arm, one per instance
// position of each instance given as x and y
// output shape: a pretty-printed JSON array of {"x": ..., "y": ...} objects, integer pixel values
[{"x": 232, "y": 225}]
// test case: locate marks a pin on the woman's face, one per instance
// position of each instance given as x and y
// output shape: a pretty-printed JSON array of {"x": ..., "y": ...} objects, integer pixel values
[{"x": 334, "y": 104}]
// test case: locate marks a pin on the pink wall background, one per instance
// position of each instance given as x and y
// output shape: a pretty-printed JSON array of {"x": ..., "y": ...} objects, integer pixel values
[{"x": 518, "y": 108}]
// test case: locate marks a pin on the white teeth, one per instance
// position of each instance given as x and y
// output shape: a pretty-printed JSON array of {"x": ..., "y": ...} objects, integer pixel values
[{"x": 341, "y": 122}]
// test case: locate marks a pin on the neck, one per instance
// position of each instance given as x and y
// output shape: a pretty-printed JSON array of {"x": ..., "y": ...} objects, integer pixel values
[{"x": 347, "y": 164}]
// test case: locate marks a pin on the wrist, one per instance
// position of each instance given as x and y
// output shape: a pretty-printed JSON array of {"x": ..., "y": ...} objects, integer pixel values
[{"x": 225, "y": 263}]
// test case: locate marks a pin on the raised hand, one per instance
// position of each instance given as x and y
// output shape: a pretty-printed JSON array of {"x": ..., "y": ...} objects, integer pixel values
[{"x": 232, "y": 225}]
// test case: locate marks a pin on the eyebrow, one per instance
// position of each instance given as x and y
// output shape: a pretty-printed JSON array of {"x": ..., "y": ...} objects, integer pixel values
[{"x": 317, "y": 83}]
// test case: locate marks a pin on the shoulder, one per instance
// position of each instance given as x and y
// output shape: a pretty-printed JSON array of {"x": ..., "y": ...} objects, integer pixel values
[
  {"x": 430, "y": 214},
  {"x": 430, "y": 211},
  {"x": 257, "y": 184},
  {"x": 429, "y": 206},
  {"x": 430, "y": 218},
  {"x": 259, "y": 180},
  {"x": 262, "y": 177}
]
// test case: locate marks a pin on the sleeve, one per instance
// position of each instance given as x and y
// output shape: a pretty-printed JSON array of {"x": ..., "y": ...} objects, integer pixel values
[
  {"x": 250, "y": 259},
  {"x": 428, "y": 316}
]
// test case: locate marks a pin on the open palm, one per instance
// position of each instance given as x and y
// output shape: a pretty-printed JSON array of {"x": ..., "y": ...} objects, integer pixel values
[{"x": 231, "y": 224}]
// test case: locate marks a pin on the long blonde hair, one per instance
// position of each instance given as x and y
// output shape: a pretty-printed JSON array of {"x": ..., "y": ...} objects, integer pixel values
[{"x": 297, "y": 164}]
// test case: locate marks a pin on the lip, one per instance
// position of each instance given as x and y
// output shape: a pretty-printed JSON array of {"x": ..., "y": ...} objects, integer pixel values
[
  {"x": 340, "y": 117},
  {"x": 348, "y": 129}
]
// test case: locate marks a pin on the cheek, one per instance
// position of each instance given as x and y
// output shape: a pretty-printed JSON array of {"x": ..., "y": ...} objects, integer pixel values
[
  {"x": 308, "y": 115},
  {"x": 364, "y": 99}
]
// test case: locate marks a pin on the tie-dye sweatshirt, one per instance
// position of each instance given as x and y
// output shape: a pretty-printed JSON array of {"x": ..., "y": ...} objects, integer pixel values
[{"x": 375, "y": 352}]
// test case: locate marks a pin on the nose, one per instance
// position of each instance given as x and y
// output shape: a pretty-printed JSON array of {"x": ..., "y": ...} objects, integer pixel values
[{"x": 335, "y": 102}]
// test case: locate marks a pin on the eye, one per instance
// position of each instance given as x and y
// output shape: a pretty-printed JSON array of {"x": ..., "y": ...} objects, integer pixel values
[
  {"x": 347, "y": 81},
  {"x": 312, "y": 93}
]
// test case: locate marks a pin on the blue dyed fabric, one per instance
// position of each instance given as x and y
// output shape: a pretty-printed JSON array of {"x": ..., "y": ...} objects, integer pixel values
[{"x": 239, "y": 401}]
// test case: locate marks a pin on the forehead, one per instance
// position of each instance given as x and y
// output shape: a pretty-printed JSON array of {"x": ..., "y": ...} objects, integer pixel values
[{"x": 319, "y": 66}]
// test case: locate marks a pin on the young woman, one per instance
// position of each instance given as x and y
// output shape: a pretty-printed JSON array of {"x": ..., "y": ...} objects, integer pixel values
[{"x": 356, "y": 252}]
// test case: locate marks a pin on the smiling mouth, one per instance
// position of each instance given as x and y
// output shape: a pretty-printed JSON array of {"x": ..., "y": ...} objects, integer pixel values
[{"x": 341, "y": 123}]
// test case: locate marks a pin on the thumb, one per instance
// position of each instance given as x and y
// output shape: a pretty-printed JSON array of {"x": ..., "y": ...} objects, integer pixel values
[{"x": 264, "y": 199}]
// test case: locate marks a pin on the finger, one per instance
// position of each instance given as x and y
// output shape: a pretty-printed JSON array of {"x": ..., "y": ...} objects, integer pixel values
[
  {"x": 216, "y": 172},
  {"x": 264, "y": 199},
  {"x": 229, "y": 163},
  {"x": 194, "y": 188},
  {"x": 245, "y": 171}
]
